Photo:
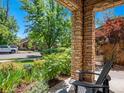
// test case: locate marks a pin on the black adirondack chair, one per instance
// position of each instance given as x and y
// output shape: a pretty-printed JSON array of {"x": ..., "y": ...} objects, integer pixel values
[{"x": 102, "y": 82}]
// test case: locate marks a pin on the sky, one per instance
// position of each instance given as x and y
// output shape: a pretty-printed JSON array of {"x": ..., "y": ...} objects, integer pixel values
[
  {"x": 116, "y": 11},
  {"x": 19, "y": 14}
]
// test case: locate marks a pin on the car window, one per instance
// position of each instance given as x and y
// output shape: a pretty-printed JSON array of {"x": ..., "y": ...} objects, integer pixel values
[
  {"x": 12, "y": 46},
  {"x": 3, "y": 46}
]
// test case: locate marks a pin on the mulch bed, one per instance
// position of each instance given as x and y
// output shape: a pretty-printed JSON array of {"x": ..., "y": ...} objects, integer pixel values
[
  {"x": 23, "y": 87},
  {"x": 57, "y": 80}
]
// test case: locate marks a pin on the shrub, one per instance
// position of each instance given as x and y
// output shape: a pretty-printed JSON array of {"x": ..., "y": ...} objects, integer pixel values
[
  {"x": 56, "y": 64},
  {"x": 35, "y": 72},
  {"x": 9, "y": 78}
]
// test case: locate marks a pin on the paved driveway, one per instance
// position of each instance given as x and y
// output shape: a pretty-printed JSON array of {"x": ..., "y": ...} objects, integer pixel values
[{"x": 20, "y": 55}]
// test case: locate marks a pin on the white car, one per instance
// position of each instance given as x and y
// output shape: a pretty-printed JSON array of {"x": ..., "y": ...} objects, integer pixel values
[{"x": 8, "y": 49}]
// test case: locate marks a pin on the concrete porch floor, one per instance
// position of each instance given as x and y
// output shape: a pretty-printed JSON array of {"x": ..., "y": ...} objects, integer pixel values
[{"x": 116, "y": 83}]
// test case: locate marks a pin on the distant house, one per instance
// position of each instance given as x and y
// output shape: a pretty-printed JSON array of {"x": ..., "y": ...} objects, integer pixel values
[
  {"x": 99, "y": 35},
  {"x": 99, "y": 32},
  {"x": 24, "y": 44}
]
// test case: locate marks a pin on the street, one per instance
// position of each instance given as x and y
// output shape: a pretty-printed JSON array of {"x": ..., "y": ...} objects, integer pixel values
[{"x": 20, "y": 55}]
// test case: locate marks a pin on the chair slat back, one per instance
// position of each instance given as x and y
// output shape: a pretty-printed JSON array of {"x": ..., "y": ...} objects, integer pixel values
[{"x": 104, "y": 72}]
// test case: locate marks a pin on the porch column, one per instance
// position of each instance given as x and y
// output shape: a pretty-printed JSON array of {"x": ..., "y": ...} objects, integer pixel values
[
  {"x": 83, "y": 50},
  {"x": 89, "y": 41},
  {"x": 77, "y": 44}
]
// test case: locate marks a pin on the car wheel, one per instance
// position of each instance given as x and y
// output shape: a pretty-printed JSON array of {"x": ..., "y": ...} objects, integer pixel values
[{"x": 13, "y": 51}]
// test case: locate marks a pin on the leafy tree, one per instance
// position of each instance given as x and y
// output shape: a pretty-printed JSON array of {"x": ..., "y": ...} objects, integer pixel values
[
  {"x": 47, "y": 22},
  {"x": 114, "y": 31},
  {"x": 65, "y": 38},
  {"x": 8, "y": 28}
]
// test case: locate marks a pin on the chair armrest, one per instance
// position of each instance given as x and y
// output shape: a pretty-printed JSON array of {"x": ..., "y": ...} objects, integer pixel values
[
  {"x": 88, "y": 85},
  {"x": 81, "y": 73},
  {"x": 108, "y": 78},
  {"x": 86, "y": 72}
]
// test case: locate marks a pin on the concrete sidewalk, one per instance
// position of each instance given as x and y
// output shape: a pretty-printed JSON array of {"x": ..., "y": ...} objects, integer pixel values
[
  {"x": 117, "y": 81},
  {"x": 21, "y": 55},
  {"x": 4, "y": 61}
]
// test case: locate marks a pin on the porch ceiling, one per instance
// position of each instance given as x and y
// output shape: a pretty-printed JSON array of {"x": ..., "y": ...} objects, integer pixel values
[
  {"x": 107, "y": 4},
  {"x": 99, "y": 5},
  {"x": 70, "y": 4}
]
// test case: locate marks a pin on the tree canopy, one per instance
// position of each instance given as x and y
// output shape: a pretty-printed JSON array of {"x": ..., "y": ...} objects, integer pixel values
[
  {"x": 114, "y": 29},
  {"x": 48, "y": 24},
  {"x": 8, "y": 28}
]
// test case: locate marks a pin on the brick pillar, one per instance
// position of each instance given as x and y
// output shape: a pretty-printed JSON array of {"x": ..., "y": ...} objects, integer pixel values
[
  {"x": 89, "y": 42},
  {"x": 82, "y": 37},
  {"x": 77, "y": 44}
]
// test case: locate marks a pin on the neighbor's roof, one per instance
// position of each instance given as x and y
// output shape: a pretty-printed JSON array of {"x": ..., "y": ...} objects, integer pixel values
[{"x": 99, "y": 34}]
